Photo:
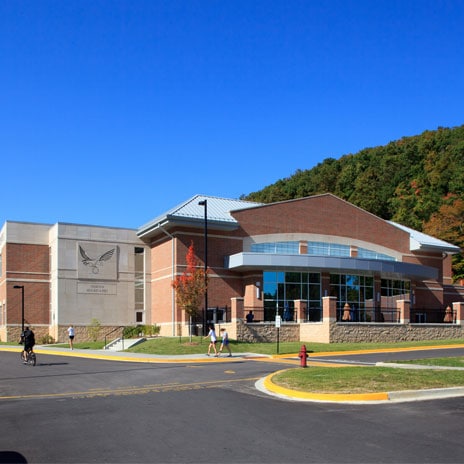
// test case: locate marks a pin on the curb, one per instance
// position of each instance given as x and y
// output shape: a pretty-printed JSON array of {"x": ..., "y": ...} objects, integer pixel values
[{"x": 266, "y": 385}]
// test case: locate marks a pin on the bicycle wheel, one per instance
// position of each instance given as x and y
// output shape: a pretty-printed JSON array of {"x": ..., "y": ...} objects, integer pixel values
[{"x": 32, "y": 359}]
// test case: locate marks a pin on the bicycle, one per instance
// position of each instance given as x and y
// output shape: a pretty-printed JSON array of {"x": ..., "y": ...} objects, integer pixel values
[{"x": 30, "y": 359}]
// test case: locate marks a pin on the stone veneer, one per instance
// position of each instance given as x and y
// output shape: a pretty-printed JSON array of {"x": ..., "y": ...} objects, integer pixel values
[
  {"x": 387, "y": 333},
  {"x": 351, "y": 332},
  {"x": 262, "y": 332}
]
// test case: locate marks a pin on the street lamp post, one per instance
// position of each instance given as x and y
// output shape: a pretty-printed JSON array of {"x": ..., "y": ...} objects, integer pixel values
[
  {"x": 22, "y": 305},
  {"x": 204, "y": 203}
]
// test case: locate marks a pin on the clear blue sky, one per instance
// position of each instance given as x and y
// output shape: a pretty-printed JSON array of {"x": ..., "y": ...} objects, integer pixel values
[{"x": 114, "y": 111}]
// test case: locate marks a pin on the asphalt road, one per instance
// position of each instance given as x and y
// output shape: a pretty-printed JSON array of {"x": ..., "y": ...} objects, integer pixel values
[
  {"x": 385, "y": 356},
  {"x": 74, "y": 410}
]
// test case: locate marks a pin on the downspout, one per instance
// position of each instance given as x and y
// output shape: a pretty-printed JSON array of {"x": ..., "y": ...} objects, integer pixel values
[{"x": 173, "y": 305}]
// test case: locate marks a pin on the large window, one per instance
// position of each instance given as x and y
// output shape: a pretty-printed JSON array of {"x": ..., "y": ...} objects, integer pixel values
[
  {"x": 317, "y": 249},
  {"x": 328, "y": 249},
  {"x": 139, "y": 284},
  {"x": 286, "y": 248},
  {"x": 281, "y": 289},
  {"x": 356, "y": 290},
  {"x": 393, "y": 290},
  {"x": 369, "y": 254}
]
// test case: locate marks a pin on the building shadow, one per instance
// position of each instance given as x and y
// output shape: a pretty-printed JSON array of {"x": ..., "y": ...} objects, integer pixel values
[{"x": 11, "y": 457}]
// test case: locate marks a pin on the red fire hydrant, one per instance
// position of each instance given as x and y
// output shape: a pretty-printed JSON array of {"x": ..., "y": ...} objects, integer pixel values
[{"x": 303, "y": 355}]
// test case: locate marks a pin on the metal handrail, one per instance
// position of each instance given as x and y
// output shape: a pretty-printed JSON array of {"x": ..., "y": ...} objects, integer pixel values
[{"x": 114, "y": 330}]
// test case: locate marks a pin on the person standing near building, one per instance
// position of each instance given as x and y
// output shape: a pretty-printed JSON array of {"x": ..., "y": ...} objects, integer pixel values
[
  {"x": 71, "y": 336},
  {"x": 225, "y": 342},
  {"x": 213, "y": 340}
]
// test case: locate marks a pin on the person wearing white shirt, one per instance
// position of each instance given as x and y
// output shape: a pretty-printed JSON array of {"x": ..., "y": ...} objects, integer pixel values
[
  {"x": 213, "y": 340},
  {"x": 71, "y": 336}
]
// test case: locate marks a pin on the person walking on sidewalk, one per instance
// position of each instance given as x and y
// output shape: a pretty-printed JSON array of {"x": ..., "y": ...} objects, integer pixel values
[
  {"x": 71, "y": 336},
  {"x": 225, "y": 342},
  {"x": 213, "y": 340}
]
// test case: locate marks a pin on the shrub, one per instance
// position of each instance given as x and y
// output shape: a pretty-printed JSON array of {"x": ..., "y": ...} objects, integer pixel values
[
  {"x": 94, "y": 329},
  {"x": 141, "y": 330},
  {"x": 46, "y": 340}
]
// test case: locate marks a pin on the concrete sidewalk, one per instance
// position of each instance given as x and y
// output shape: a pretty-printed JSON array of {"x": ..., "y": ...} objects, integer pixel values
[{"x": 133, "y": 357}]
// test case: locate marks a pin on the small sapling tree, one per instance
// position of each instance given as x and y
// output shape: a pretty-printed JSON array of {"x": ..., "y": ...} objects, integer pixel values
[{"x": 190, "y": 287}]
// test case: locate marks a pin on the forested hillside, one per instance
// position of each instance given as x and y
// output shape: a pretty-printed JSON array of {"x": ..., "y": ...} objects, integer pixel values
[{"x": 416, "y": 181}]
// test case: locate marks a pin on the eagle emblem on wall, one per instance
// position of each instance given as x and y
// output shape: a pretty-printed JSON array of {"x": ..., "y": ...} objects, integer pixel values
[{"x": 95, "y": 263}]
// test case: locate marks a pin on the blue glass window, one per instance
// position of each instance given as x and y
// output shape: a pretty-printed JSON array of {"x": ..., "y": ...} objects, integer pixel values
[
  {"x": 287, "y": 248},
  {"x": 369, "y": 254},
  {"x": 328, "y": 249}
]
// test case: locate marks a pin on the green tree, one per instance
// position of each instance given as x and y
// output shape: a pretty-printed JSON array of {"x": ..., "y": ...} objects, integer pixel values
[{"x": 448, "y": 224}]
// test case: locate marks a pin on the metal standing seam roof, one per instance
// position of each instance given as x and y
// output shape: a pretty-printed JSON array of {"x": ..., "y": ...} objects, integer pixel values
[
  {"x": 419, "y": 240},
  {"x": 219, "y": 212}
]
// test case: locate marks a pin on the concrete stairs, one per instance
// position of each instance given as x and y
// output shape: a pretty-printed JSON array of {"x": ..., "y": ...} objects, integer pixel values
[{"x": 121, "y": 344}]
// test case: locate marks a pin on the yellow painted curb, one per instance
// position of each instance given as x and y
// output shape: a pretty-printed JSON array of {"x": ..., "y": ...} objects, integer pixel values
[
  {"x": 345, "y": 397},
  {"x": 368, "y": 351},
  {"x": 108, "y": 357},
  {"x": 389, "y": 350}
]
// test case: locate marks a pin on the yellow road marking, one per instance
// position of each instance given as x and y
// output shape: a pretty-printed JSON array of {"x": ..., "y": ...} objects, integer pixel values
[{"x": 132, "y": 390}]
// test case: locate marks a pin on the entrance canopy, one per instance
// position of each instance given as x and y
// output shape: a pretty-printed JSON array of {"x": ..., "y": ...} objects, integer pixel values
[{"x": 248, "y": 261}]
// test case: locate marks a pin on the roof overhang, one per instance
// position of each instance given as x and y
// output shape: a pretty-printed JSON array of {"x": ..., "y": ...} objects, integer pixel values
[
  {"x": 171, "y": 222},
  {"x": 243, "y": 262}
]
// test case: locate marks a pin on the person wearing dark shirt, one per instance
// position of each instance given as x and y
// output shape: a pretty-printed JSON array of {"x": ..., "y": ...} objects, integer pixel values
[{"x": 28, "y": 338}]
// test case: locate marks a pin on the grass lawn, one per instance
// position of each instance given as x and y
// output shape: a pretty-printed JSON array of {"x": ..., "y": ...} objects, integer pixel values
[
  {"x": 198, "y": 345},
  {"x": 176, "y": 345},
  {"x": 366, "y": 379}
]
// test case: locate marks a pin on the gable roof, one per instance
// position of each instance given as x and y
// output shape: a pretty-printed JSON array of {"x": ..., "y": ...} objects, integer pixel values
[{"x": 191, "y": 213}]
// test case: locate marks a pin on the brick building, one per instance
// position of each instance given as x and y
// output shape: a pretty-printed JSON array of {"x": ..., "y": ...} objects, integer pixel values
[
  {"x": 286, "y": 258},
  {"x": 63, "y": 274},
  {"x": 322, "y": 264}
]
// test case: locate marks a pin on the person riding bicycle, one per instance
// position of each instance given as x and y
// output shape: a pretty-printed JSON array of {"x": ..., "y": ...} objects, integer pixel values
[{"x": 28, "y": 338}]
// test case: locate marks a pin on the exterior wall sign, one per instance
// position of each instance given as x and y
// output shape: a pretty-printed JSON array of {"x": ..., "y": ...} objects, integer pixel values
[
  {"x": 97, "y": 261},
  {"x": 96, "y": 289}
]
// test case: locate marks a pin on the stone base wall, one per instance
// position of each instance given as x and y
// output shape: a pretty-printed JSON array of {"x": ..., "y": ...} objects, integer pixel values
[
  {"x": 85, "y": 333},
  {"x": 267, "y": 332},
  {"x": 13, "y": 333},
  {"x": 42, "y": 332},
  {"x": 388, "y": 333}
]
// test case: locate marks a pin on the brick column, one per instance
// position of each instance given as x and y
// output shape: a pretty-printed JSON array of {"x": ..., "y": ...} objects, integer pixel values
[
  {"x": 403, "y": 306},
  {"x": 458, "y": 309},
  {"x": 236, "y": 309},
  {"x": 300, "y": 309},
  {"x": 329, "y": 308}
]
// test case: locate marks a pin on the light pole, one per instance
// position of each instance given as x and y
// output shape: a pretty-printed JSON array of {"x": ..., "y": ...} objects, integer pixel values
[
  {"x": 204, "y": 203},
  {"x": 22, "y": 305}
]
